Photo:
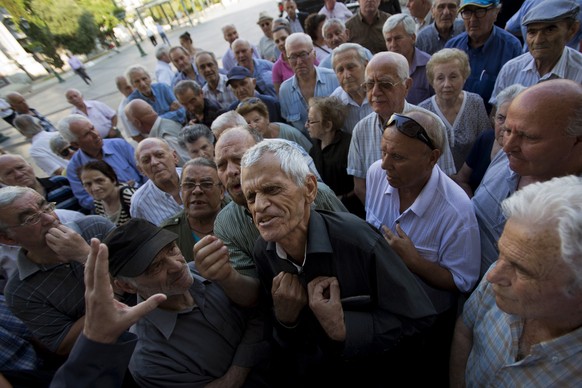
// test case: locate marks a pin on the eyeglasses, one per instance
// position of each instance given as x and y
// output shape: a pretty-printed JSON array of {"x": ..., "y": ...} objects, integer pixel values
[
  {"x": 302, "y": 55},
  {"x": 478, "y": 12},
  {"x": 311, "y": 122},
  {"x": 204, "y": 186},
  {"x": 410, "y": 128},
  {"x": 249, "y": 100},
  {"x": 384, "y": 85},
  {"x": 34, "y": 219}
]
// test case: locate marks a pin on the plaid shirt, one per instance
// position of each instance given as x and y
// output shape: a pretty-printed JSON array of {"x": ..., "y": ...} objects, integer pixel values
[{"x": 16, "y": 353}]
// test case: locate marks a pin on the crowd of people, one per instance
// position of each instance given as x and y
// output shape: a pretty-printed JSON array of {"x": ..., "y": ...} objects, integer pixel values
[{"x": 370, "y": 197}]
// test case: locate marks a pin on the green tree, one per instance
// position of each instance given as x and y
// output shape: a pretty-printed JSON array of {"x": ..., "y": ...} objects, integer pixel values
[{"x": 83, "y": 40}]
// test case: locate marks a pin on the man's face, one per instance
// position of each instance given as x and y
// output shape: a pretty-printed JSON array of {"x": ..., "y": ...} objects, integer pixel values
[
  {"x": 200, "y": 148},
  {"x": 88, "y": 138},
  {"x": 349, "y": 70},
  {"x": 230, "y": 34},
  {"x": 243, "y": 54},
  {"x": 279, "y": 207},
  {"x": 444, "y": 13},
  {"x": 168, "y": 274},
  {"x": 201, "y": 202},
  {"x": 369, "y": 8},
  {"x": 74, "y": 98},
  {"x": 142, "y": 82},
  {"x": 416, "y": 8},
  {"x": 408, "y": 162},
  {"x": 291, "y": 9},
  {"x": 243, "y": 88},
  {"x": 15, "y": 171},
  {"x": 301, "y": 57},
  {"x": 546, "y": 41},
  {"x": 123, "y": 87},
  {"x": 181, "y": 60},
  {"x": 208, "y": 68},
  {"x": 266, "y": 26},
  {"x": 530, "y": 278},
  {"x": 280, "y": 37},
  {"x": 479, "y": 29},
  {"x": 535, "y": 139},
  {"x": 194, "y": 103},
  {"x": 228, "y": 153},
  {"x": 156, "y": 160},
  {"x": 18, "y": 103},
  {"x": 335, "y": 35},
  {"x": 384, "y": 98},
  {"x": 399, "y": 41}
]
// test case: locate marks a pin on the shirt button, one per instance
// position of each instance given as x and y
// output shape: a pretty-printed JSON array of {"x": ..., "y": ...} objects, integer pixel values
[{"x": 555, "y": 359}]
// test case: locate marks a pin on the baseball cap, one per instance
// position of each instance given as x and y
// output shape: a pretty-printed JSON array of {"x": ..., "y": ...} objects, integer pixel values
[
  {"x": 238, "y": 73},
  {"x": 479, "y": 3}
]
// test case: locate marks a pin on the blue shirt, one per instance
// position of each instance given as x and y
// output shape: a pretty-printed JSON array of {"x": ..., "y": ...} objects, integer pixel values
[
  {"x": 163, "y": 98},
  {"x": 181, "y": 76},
  {"x": 264, "y": 76},
  {"x": 119, "y": 154},
  {"x": 486, "y": 61}
]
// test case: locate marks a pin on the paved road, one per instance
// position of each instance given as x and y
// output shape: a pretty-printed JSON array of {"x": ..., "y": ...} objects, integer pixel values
[{"x": 48, "y": 96}]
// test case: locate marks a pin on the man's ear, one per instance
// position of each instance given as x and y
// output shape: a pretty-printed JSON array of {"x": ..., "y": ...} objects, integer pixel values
[
  {"x": 310, "y": 188},
  {"x": 124, "y": 286},
  {"x": 434, "y": 156}
]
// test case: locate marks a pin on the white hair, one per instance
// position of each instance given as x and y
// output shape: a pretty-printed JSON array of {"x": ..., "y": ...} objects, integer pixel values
[
  {"x": 393, "y": 21},
  {"x": 64, "y": 126}
]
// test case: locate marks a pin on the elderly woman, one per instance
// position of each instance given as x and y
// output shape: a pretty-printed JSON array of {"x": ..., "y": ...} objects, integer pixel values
[
  {"x": 110, "y": 198},
  {"x": 313, "y": 28},
  {"x": 281, "y": 69},
  {"x": 257, "y": 116},
  {"x": 203, "y": 198},
  {"x": 488, "y": 144},
  {"x": 462, "y": 112},
  {"x": 330, "y": 149}
]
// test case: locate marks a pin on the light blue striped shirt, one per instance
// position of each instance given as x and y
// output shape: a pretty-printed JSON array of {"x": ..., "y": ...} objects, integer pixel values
[{"x": 354, "y": 112}]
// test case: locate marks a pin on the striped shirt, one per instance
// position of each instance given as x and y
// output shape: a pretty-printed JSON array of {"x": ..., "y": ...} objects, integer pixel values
[
  {"x": 354, "y": 112},
  {"x": 125, "y": 194},
  {"x": 151, "y": 203}
]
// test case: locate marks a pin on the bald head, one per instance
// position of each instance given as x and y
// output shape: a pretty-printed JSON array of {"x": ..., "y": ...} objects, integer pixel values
[
  {"x": 123, "y": 86},
  {"x": 17, "y": 102},
  {"x": 16, "y": 171},
  {"x": 141, "y": 115}
]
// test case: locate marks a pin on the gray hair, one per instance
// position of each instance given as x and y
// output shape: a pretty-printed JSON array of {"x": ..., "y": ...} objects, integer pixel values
[
  {"x": 8, "y": 195},
  {"x": 64, "y": 126},
  {"x": 27, "y": 125},
  {"x": 210, "y": 53},
  {"x": 298, "y": 37},
  {"x": 226, "y": 120},
  {"x": 332, "y": 22},
  {"x": 508, "y": 94},
  {"x": 554, "y": 204},
  {"x": 185, "y": 85},
  {"x": 199, "y": 161},
  {"x": 158, "y": 139},
  {"x": 226, "y": 27},
  {"x": 575, "y": 125},
  {"x": 163, "y": 49},
  {"x": 58, "y": 143},
  {"x": 393, "y": 21},
  {"x": 191, "y": 133},
  {"x": 342, "y": 48},
  {"x": 134, "y": 69},
  {"x": 292, "y": 162}
]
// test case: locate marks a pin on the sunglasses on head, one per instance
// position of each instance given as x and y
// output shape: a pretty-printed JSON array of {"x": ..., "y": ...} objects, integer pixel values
[{"x": 410, "y": 128}]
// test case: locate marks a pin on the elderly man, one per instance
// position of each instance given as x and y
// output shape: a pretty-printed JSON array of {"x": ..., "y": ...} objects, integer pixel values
[
  {"x": 296, "y": 18},
  {"x": 49, "y": 291},
  {"x": 187, "y": 70},
  {"x": 230, "y": 34},
  {"x": 158, "y": 95},
  {"x": 229, "y": 119},
  {"x": 103, "y": 117},
  {"x": 260, "y": 69},
  {"x": 308, "y": 81},
  {"x": 198, "y": 108},
  {"x": 335, "y": 33},
  {"x": 164, "y": 72},
  {"x": 267, "y": 47},
  {"x": 215, "y": 89},
  {"x": 20, "y": 106},
  {"x": 420, "y": 11},
  {"x": 244, "y": 84},
  {"x": 203, "y": 197},
  {"x": 198, "y": 140},
  {"x": 387, "y": 83},
  {"x": 159, "y": 198},
  {"x": 522, "y": 324},
  {"x": 228, "y": 343},
  {"x": 429, "y": 222},
  {"x": 333, "y": 9},
  {"x": 314, "y": 269},
  {"x": 445, "y": 26},
  {"x": 400, "y": 38},
  {"x": 130, "y": 133},
  {"x": 146, "y": 120},
  {"x": 349, "y": 63},
  {"x": 541, "y": 141},
  {"x": 118, "y": 153},
  {"x": 366, "y": 26},
  {"x": 550, "y": 25},
  {"x": 488, "y": 46},
  {"x": 40, "y": 150}
]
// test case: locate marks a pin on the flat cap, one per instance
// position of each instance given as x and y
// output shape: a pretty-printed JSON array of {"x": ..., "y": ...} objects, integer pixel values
[{"x": 549, "y": 11}]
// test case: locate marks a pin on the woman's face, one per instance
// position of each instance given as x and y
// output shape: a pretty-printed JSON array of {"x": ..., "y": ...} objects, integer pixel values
[
  {"x": 279, "y": 37},
  {"x": 257, "y": 121},
  {"x": 499, "y": 121},
  {"x": 448, "y": 80},
  {"x": 186, "y": 43},
  {"x": 315, "y": 123},
  {"x": 97, "y": 184}
]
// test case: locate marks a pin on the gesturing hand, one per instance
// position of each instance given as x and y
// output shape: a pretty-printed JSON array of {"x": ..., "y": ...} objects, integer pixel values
[
  {"x": 325, "y": 302},
  {"x": 289, "y": 297},
  {"x": 402, "y": 245}
]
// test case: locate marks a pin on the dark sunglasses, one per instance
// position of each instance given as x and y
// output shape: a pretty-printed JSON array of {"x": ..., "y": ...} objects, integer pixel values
[
  {"x": 66, "y": 152},
  {"x": 410, "y": 128}
]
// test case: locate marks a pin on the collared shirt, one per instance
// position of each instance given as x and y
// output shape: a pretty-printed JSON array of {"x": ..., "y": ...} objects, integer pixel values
[
  {"x": 295, "y": 25},
  {"x": 268, "y": 49},
  {"x": 365, "y": 147},
  {"x": 369, "y": 36},
  {"x": 486, "y": 61},
  {"x": 420, "y": 89},
  {"x": 293, "y": 105},
  {"x": 42, "y": 155},
  {"x": 496, "y": 336},
  {"x": 523, "y": 70},
  {"x": 263, "y": 74},
  {"x": 223, "y": 95},
  {"x": 210, "y": 112},
  {"x": 151, "y": 203},
  {"x": 196, "y": 346},
  {"x": 354, "y": 112},
  {"x": 339, "y": 11},
  {"x": 499, "y": 183},
  {"x": 440, "y": 223},
  {"x": 430, "y": 41},
  {"x": 99, "y": 114},
  {"x": 50, "y": 298},
  {"x": 282, "y": 71},
  {"x": 229, "y": 60},
  {"x": 163, "y": 97},
  {"x": 164, "y": 73},
  {"x": 119, "y": 154},
  {"x": 425, "y": 23},
  {"x": 169, "y": 131},
  {"x": 332, "y": 161},
  {"x": 75, "y": 62},
  {"x": 181, "y": 76}
]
